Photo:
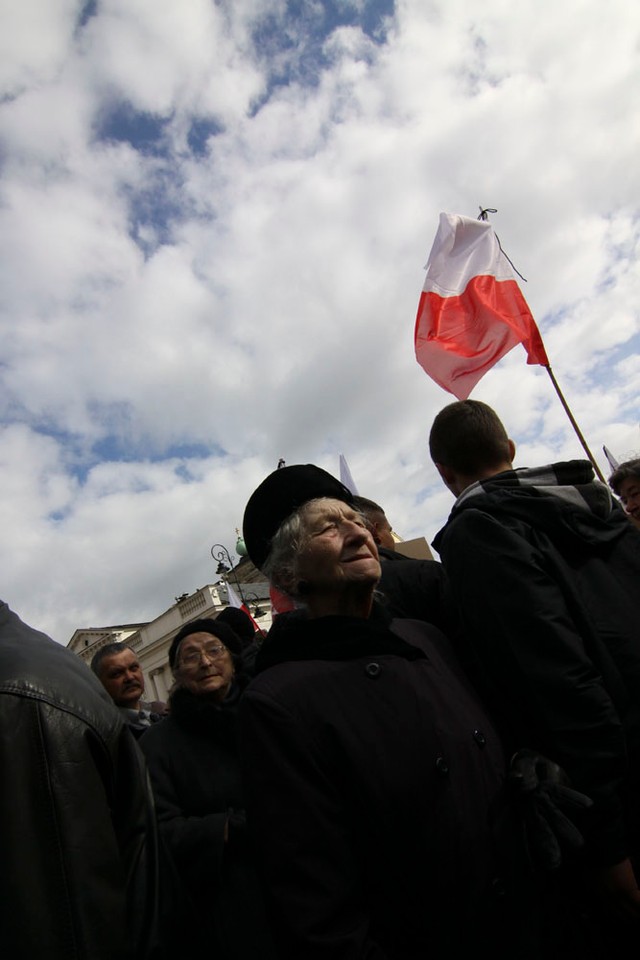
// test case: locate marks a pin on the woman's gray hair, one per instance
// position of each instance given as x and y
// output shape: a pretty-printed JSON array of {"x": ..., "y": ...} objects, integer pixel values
[{"x": 281, "y": 565}]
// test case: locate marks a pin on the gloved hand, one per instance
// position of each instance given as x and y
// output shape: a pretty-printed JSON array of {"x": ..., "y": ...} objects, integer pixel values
[
  {"x": 546, "y": 803},
  {"x": 236, "y": 829}
]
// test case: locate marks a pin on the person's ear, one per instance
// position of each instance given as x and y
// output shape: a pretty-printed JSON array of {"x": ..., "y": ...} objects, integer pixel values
[
  {"x": 512, "y": 451},
  {"x": 447, "y": 474}
]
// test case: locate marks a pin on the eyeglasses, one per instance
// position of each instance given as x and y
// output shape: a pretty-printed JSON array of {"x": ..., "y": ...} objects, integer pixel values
[{"x": 211, "y": 650}]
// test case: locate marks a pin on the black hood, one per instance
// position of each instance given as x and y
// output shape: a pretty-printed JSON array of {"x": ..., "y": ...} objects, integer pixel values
[{"x": 569, "y": 513}]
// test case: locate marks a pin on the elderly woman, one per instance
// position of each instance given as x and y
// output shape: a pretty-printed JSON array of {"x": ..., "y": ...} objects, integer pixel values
[
  {"x": 194, "y": 766},
  {"x": 375, "y": 780}
]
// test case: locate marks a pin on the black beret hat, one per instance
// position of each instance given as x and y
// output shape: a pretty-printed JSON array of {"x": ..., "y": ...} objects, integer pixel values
[
  {"x": 239, "y": 621},
  {"x": 222, "y": 631},
  {"x": 278, "y": 496}
]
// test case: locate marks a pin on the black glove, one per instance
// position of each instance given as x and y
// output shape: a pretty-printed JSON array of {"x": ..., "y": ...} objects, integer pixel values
[
  {"x": 546, "y": 803},
  {"x": 236, "y": 829}
]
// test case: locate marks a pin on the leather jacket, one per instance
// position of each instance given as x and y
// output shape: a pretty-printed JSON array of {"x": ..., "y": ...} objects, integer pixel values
[{"x": 79, "y": 858}]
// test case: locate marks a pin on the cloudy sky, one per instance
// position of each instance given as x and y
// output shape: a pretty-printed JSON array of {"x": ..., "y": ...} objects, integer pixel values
[{"x": 214, "y": 218}]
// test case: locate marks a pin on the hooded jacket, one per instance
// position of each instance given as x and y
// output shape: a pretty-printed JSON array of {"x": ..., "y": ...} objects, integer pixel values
[{"x": 545, "y": 569}]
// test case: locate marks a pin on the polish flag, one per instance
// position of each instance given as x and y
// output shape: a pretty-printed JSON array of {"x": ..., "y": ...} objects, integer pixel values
[
  {"x": 280, "y": 602},
  {"x": 235, "y": 601},
  {"x": 471, "y": 310}
]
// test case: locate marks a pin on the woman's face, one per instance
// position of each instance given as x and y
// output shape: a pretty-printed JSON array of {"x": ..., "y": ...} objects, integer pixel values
[
  {"x": 204, "y": 665},
  {"x": 338, "y": 551}
]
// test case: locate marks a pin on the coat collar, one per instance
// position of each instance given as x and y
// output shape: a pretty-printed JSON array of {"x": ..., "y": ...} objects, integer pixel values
[{"x": 296, "y": 638}]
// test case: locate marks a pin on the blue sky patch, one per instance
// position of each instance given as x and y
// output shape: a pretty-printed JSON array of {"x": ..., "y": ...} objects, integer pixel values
[
  {"x": 154, "y": 211},
  {"x": 200, "y": 131},
  {"x": 89, "y": 9},
  {"x": 291, "y": 46},
  {"x": 142, "y": 131}
]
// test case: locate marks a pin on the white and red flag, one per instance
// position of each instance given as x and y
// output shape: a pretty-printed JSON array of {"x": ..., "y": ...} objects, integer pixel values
[
  {"x": 280, "y": 602},
  {"x": 235, "y": 601},
  {"x": 471, "y": 310}
]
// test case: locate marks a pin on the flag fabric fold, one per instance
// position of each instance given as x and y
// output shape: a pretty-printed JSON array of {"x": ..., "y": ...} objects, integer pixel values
[
  {"x": 345, "y": 476},
  {"x": 280, "y": 602},
  {"x": 471, "y": 310},
  {"x": 611, "y": 460},
  {"x": 235, "y": 601}
]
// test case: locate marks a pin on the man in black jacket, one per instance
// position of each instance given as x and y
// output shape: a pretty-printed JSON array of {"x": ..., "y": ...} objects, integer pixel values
[
  {"x": 412, "y": 589},
  {"x": 545, "y": 569},
  {"x": 77, "y": 834}
]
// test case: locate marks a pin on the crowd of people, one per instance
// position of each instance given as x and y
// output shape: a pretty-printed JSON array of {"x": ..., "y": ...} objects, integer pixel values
[{"x": 421, "y": 759}]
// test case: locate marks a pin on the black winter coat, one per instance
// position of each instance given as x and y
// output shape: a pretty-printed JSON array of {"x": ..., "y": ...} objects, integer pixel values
[
  {"x": 376, "y": 794},
  {"x": 549, "y": 594},
  {"x": 417, "y": 590},
  {"x": 194, "y": 766}
]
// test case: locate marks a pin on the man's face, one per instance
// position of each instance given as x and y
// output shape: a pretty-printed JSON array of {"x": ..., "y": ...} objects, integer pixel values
[
  {"x": 630, "y": 497},
  {"x": 121, "y": 676},
  {"x": 382, "y": 530}
]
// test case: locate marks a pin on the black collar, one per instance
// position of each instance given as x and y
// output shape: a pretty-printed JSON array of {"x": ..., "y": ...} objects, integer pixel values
[{"x": 295, "y": 638}]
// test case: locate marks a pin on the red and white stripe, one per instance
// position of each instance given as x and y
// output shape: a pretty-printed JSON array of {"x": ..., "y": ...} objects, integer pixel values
[{"x": 471, "y": 310}]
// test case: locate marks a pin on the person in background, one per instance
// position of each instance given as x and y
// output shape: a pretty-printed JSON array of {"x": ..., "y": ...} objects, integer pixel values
[
  {"x": 380, "y": 527},
  {"x": 77, "y": 830},
  {"x": 250, "y": 638},
  {"x": 625, "y": 483},
  {"x": 118, "y": 669},
  {"x": 375, "y": 779},
  {"x": 544, "y": 568},
  {"x": 194, "y": 765},
  {"x": 415, "y": 589}
]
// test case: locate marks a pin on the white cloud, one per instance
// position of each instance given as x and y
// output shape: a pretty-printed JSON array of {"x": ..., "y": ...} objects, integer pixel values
[
  {"x": 255, "y": 297},
  {"x": 34, "y": 41}
]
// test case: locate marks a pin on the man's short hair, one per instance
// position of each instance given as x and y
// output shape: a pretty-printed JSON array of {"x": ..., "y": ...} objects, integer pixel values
[
  {"x": 469, "y": 436},
  {"x": 364, "y": 505},
  {"x": 629, "y": 470},
  {"x": 109, "y": 650}
]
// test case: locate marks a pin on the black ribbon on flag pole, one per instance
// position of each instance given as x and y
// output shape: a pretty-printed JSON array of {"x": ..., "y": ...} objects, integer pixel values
[{"x": 484, "y": 215}]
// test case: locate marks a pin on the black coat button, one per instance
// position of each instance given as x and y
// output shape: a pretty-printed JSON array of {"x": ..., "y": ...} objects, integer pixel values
[
  {"x": 498, "y": 888},
  {"x": 442, "y": 766},
  {"x": 479, "y": 738},
  {"x": 373, "y": 670}
]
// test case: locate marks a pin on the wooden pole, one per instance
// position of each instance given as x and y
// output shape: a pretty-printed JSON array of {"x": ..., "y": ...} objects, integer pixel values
[
  {"x": 574, "y": 424},
  {"x": 483, "y": 216}
]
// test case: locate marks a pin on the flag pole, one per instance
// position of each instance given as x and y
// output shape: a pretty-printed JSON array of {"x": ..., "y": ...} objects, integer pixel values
[
  {"x": 574, "y": 424},
  {"x": 483, "y": 216}
]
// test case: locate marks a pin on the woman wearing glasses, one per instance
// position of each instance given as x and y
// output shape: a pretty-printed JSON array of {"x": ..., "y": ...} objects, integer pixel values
[{"x": 195, "y": 771}]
